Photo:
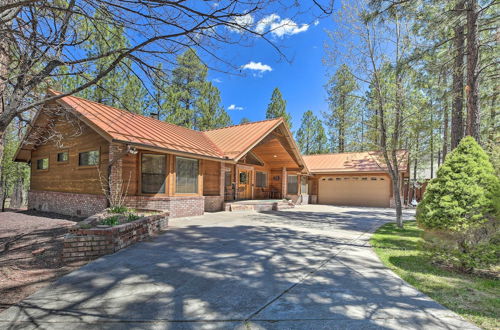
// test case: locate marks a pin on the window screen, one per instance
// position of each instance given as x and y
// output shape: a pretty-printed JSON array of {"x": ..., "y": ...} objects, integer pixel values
[
  {"x": 42, "y": 164},
  {"x": 88, "y": 158},
  {"x": 186, "y": 175},
  {"x": 261, "y": 178},
  {"x": 62, "y": 156},
  {"x": 153, "y": 173},
  {"x": 292, "y": 185}
]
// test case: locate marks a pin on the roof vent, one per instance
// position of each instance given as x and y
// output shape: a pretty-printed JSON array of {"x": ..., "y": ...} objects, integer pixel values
[{"x": 155, "y": 115}]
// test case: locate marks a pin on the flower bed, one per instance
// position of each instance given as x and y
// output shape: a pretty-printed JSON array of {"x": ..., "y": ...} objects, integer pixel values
[{"x": 91, "y": 239}]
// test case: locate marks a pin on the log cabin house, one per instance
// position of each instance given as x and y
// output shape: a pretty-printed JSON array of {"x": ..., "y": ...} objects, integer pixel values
[{"x": 76, "y": 147}]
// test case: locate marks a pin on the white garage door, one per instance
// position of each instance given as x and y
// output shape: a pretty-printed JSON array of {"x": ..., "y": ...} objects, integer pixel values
[{"x": 370, "y": 190}]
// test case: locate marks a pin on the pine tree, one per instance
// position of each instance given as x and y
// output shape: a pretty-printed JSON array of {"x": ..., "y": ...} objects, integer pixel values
[
  {"x": 244, "y": 120},
  {"x": 344, "y": 109},
  {"x": 190, "y": 99},
  {"x": 120, "y": 88},
  {"x": 212, "y": 114},
  {"x": 311, "y": 135},
  {"x": 277, "y": 108}
]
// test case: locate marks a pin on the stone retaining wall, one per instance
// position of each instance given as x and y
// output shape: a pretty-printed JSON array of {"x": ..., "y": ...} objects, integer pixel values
[{"x": 88, "y": 244}]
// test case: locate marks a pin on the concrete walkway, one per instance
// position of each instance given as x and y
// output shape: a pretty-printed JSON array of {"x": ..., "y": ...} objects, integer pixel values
[{"x": 305, "y": 268}]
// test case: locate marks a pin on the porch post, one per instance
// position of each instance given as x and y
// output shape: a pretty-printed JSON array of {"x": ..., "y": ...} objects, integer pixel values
[
  {"x": 283, "y": 182},
  {"x": 222, "y": 180}
]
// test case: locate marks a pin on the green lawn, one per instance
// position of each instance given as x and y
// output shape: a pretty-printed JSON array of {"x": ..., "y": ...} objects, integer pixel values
[{"x": 476, "y": 299}]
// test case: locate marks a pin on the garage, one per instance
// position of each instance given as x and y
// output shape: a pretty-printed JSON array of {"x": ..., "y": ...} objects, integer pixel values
[{"x": 364, "y": 190}]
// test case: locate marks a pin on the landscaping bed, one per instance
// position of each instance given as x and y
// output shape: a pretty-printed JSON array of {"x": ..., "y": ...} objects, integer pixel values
[
  {"x": 110, "y": 231},
  {"x": 473, "y": 296},
  {"x": 31, "y": 245}
]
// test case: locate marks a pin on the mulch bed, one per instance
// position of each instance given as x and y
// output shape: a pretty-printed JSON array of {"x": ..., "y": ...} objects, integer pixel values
[{"x": 31, "y": 246}]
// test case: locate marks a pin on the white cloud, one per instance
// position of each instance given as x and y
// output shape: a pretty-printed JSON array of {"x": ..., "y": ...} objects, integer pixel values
[
  {"x": 287, "y": 27},
  {"x": 241, "y": 23},
  {"x": 234, "y": 107},
  {"x": 265, "y": 22},
  {"x": 316, "y": 22},
  {"x": 217, "y": 80},
  {"x": 280, "y": 27},
  {"x": 257, "y": 66}
]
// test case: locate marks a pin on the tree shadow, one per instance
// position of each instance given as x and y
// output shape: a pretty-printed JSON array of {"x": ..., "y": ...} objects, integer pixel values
[{"x": 227, "y": 276}]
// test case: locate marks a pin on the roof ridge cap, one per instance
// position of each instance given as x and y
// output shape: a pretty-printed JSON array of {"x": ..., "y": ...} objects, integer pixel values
[{"x": 249, "y": 123}]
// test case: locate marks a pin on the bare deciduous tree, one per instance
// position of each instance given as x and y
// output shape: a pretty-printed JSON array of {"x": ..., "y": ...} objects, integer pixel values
[{"x": 42, "y": 41}]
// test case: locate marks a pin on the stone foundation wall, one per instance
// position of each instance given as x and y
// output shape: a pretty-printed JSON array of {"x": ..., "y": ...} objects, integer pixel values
[
  {"x": 178, "y": 207},
  {"x": 81, "y": 205},
  {"x": 88, "y": 244},
  {"x": 214, "y": 203}
]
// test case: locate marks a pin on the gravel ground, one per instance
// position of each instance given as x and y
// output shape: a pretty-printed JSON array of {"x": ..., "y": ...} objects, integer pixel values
[{"x": 30, "y": 253}]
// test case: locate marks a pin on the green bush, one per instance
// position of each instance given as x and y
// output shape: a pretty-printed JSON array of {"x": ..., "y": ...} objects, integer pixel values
[
  {"x": 460, "y": 209},
  {"x": 118, "y": 209},
  {"x": 132, "y": 217},
  {"x": 111, "y": 221}
]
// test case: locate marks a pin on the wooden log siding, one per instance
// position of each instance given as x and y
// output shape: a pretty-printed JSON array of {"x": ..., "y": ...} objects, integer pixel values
[
  {"x": 68, "y": 176},
  {"x": 211, "y": 178}
]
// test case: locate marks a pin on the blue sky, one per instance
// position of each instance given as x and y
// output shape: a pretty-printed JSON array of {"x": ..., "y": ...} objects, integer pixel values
[{"x": 301, "y": 80}]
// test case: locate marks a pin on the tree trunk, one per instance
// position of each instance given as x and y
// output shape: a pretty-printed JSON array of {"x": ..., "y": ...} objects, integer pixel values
[
  {"x": 16, "y": 200},
  {"x": 473, "y": 127},
  {"x": 432, "y": 143},
  {"x": 445, "y": 133},
  {"x": 493, "y": 112},
  {"x": 457, "y": 124}
]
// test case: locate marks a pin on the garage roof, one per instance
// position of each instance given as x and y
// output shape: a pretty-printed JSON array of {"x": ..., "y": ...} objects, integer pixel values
[{"x": 349, "y": 162}]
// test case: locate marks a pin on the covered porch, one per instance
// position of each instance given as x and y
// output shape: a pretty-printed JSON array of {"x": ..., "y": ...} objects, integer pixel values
[{"x": 267, "y": 175}]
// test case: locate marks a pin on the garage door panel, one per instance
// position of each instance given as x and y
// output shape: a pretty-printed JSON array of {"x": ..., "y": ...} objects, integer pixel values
[{"x": 354, "y": 191}]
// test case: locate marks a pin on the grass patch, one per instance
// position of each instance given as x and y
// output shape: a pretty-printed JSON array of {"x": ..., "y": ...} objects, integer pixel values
[{"x": 475, "y": 298}]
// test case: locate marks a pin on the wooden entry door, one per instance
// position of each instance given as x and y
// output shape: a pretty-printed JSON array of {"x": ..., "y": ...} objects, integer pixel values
[{"x": 244, "y": 184}]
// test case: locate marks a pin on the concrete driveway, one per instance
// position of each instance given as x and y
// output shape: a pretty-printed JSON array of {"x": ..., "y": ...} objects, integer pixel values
[{"x": 305, "y": 268}]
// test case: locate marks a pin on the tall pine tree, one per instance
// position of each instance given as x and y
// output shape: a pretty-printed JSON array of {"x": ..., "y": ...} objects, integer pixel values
[
  {"x": 311, "y": 135},
  {"x": 277, "y": 107},
  {"x": 190, "y": 100},
  {"x": 343, "y": 112}
]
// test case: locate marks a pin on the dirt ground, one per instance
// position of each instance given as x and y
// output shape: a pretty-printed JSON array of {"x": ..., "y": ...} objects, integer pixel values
[{"x": 30, "y": 253}]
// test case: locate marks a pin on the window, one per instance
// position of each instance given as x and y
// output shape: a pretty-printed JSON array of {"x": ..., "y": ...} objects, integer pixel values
[
  {"x": 227, "y": 177},
  {"x": 243, "y": 177},
  {"x": 373, "y": 179},
  {"x": 364, "y": 179},
  {"x": 186, "y": 175},
  {"x": 338, "y": 179},
  {"x": 153, "y": 173},
  {"x": 261, "y": 179},
  {"x": 62, "y": 157},
  {"x": 303, "y": 185},
  {"x": 88, "y": 158},
  {"x": 292, "y": 185},
  {"x": 42, "y": 164}
]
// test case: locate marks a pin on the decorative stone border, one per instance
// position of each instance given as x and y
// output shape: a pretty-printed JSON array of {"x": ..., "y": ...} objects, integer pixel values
[{"x": 88, "y": 244}]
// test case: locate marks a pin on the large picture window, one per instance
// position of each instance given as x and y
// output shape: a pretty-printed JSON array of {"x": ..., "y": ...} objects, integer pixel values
[
  {"x": 292, "y": 185},
  {"x": 88, "y": 158},
  {"x": 261, "y": 179},
  {"x": 153, "y": 173},
  {"x": 186, "y": 175}
]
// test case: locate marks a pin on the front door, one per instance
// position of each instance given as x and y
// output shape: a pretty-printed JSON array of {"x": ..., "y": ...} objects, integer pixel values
[{"x": 245, "y": 184}]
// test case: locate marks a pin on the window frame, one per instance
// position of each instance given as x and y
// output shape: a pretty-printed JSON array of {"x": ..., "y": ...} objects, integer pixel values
[
  {"x": 98, "y": 149},
  {"x": 198, "y": 185},
  {"x": 41, "y": 158},
  {"x": 165, "y": 176},
  {"x": 288, "y": 184},
  {"x": 266, "y": 182},
  {"x": 66, "y": 151}
]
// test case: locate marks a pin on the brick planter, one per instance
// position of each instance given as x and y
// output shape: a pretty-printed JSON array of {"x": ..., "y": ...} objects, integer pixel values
[{"x": 87, "y": 244}]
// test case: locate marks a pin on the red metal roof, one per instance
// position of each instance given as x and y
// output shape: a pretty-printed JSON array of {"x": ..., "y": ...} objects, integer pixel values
[
  {"x": 225, "y": 143},
  {"x": 234, "y": 141},
  {"x": 368, "y": 161}
]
